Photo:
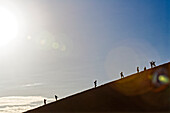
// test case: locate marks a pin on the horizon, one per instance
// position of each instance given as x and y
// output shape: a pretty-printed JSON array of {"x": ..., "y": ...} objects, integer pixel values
[{"x": 60, "y": 47}]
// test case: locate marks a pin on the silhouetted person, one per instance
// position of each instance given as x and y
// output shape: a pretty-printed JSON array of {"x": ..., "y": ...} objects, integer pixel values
[
  {"x": 144, "y": 68},
  {"x": 121, "y": 74},
  {"x": 95, "y": 83},
  {"x": 56, "y": 97},
  {"x": 153, "y": 63},
  {"x": 45, "y": 101},
  {"x": 138, "y": 69}
]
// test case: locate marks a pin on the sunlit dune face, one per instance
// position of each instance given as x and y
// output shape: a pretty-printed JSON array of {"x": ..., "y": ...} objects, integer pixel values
[{"x": 8, "y": 26}]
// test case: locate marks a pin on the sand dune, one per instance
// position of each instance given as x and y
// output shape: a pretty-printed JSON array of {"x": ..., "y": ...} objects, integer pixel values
[{"x": 147, "y": 91}]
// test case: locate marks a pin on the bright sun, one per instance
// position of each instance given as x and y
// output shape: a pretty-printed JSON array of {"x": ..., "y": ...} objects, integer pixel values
[{"x": 8, "y": 26}]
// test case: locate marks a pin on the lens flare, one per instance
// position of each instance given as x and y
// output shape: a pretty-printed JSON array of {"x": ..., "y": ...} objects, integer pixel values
[
  {"x": 160, "y": 79},
  {"x": 163, "y": 79},
  {"x": 63, "y": 48},
  {"x": 29, "y": 37},
  {"x": 55, "y": 45}
]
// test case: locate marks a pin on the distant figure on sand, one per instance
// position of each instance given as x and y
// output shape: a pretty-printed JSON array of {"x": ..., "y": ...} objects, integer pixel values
[
  {"x": 137, "y": 69},
  {"x": 45, "y": 101},
  {"x": 144, "y": 68},
  {"x": 152, "y": 63},
  {"x": 56, "y": 97},
  {"x": 121, "y": 74},
  {"x": 95, "y": 83}
]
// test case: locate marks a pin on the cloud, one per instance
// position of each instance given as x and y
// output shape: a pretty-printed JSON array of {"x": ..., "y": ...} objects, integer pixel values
[
  {"x": 18, "y": 104},
  {"x": 32, "y": 84}
]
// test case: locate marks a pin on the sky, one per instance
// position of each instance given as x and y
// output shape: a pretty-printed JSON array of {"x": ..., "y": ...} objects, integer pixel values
[{"x": 62, "y": 46}]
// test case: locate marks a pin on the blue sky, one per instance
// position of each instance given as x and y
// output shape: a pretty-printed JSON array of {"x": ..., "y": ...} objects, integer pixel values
[{"x": 64, "y": 45}]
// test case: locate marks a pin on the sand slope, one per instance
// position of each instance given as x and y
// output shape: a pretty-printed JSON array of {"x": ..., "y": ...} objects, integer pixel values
[{"x": 140, "y": 92}]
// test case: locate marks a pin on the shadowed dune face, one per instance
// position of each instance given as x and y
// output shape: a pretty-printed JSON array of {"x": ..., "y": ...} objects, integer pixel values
[
  {"x": 147, "y": 91},
  {"x": 154, "y": 80}
]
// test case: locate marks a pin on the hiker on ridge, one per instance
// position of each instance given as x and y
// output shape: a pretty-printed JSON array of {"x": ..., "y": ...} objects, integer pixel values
[
  {"x": 144, "y": 68},
  {"x": 95, "y": 83},
  {"x": 56, "y": 97},
  {"x": 45, "y": 101},
  {"x": 121, "y": 74},
  {"x": 137, "y": 69},
  {"x": 153, "y": 63}
]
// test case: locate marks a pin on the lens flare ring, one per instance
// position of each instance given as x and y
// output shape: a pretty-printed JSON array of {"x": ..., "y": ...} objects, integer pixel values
[{"x": 160, "y": 79}]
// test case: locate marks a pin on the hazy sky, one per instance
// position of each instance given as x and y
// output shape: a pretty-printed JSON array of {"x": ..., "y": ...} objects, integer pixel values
[{"x": 62, "y": 46}]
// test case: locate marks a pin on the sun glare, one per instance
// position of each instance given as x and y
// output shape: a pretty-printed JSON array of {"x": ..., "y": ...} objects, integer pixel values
[{"x": 8, "y": 26}]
